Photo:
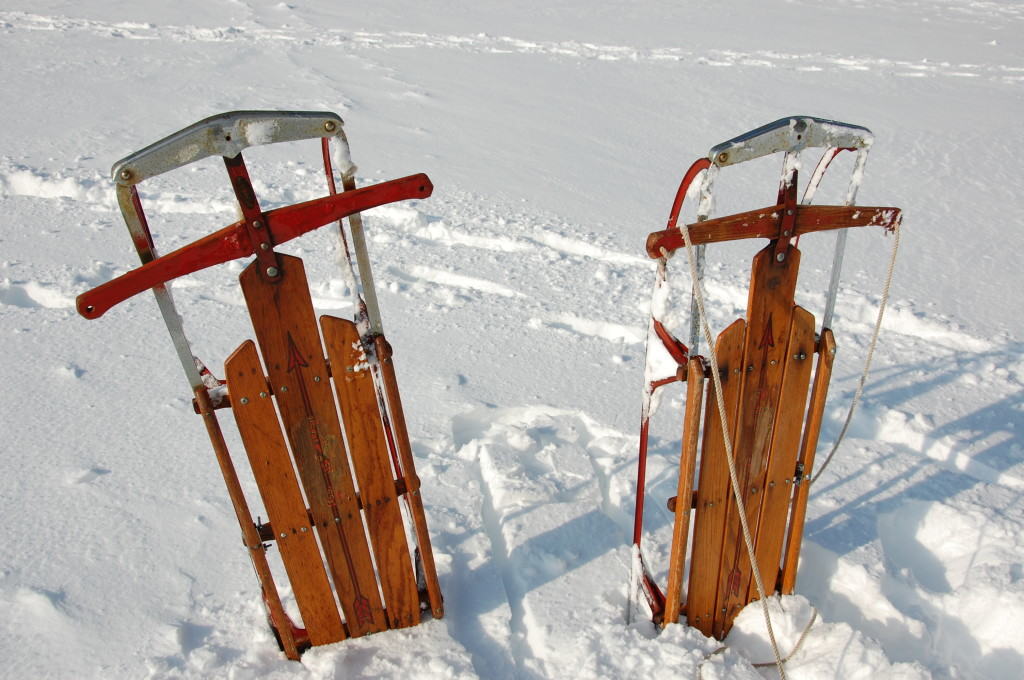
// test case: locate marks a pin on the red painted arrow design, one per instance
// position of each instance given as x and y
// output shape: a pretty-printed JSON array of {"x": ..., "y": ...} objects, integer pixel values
[
  {"x": 763, "y": 402},
  {"x": 297, "y": 362},
  {"x": 768, "y": 339}
]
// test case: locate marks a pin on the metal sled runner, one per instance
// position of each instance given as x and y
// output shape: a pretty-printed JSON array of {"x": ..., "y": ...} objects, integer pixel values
[
  {"x": 773, "y": 370},
  {"x": 321, "y": 421}
]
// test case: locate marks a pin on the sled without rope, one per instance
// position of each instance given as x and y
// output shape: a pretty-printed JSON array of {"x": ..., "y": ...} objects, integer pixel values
[
  {"x": 774, "y": 369},
  {"x": 315, "y": 401}
]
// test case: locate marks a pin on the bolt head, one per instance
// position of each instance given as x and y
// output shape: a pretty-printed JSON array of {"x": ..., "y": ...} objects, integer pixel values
[
  {"x": 723, "y": 157},
  {"x": 330, "y": 126},
  {"x": 126, "y": 174}
]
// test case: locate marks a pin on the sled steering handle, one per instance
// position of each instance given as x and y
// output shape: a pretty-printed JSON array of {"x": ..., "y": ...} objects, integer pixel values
[
  {"x": 232, "y": 242},
  {"x": 794, "y": 133},
  {"x": 226, "y": 134}
]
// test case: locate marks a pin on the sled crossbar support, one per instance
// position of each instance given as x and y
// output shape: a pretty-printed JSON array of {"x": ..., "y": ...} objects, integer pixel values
[
  {"x": 315, "y": 400},
  {"x": 770, "y": 223},
  {"x": 232, "y": 242}
]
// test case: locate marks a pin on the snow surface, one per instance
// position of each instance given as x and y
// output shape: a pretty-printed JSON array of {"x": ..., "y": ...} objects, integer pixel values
[{"x": 516, "y": 299}]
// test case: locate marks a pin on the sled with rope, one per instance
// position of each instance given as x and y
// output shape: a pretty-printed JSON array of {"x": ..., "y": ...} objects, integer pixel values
[
  {"x": 750, "y": 437},
  {"x": 315, "y": 401}
]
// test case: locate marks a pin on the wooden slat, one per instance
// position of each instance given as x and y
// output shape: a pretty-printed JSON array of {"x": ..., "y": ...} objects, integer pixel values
[
  {"x": 272, "y": 467},
  {"x": 364, "y": 430},
  {"x": 289, "y": 340},
  {"x": 815, "y": 414},
  {"x": 713, "y": 487},
  {"x": 251, "y": 538},
  {"x": 767, "y": 223},
  {"x": 684, "y": 489},
  {"x": 769, "y": 309},
  {"x": 412, "y": 499},
  {"x": 778, "y": 487}
]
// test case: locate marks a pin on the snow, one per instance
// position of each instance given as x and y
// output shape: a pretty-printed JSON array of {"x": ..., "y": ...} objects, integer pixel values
[{"x": 516, "y": 299}]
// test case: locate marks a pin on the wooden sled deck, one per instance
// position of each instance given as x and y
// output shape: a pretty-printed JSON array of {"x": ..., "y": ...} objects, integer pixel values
[
  {"x": 315, "y": 401},
  {"x": 774, "y": 371}
]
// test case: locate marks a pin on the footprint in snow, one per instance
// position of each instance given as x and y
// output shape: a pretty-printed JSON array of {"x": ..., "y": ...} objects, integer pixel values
[
  {"x": 86, "y": 476},
  {"x": 33, "y": 295}
]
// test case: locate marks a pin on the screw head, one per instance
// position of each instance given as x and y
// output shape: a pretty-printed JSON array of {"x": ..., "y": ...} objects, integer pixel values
[
  {"x": 272, "y": 272},
  {"x": 256, "y": 224},
  {"x": 263, "y": 395},
  {"x": 245, "y": 400},
  {"x": 316, "y": 378},
  {"x": 330, "y": 126},
  {"x": 126, "y": 174},
  {"x": 284, "y": 388},
  {"x": 781, "y": 257},
  {"x": 723, "y": 157}
]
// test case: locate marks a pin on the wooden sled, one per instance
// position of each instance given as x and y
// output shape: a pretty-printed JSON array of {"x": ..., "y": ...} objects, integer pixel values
[
  {"x": 774, "y": 371},
  {"x": 321, "y": 421}
]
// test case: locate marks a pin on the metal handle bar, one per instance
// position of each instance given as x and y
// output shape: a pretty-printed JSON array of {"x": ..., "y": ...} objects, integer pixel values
[
  {"x": 794, "y": 133},
  {"x": 225, "y": 134}
]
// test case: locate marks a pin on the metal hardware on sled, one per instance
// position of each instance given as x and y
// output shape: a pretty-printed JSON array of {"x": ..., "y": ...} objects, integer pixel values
[
  {"x": 774, "y": 367},
  {"x": 351, "y": 567}
]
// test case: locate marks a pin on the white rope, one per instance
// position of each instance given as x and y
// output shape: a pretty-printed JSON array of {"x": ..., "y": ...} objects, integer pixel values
[
  {"x": 698, "y": 293},
  {"x": 799, "y": 642},
  {"x": 870, "y": 355},
  {"x": 796, "y": 648}
]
